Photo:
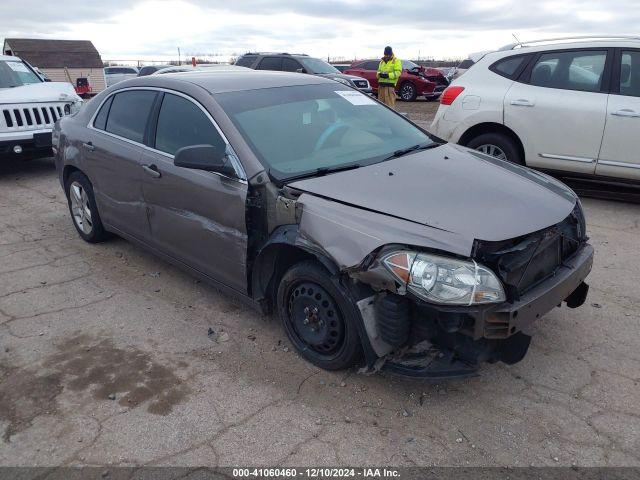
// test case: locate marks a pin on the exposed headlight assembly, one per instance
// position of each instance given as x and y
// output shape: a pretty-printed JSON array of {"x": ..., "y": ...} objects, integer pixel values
[
  {"x": 445, "y": 280},
  {"x": 73, "y": 108}
]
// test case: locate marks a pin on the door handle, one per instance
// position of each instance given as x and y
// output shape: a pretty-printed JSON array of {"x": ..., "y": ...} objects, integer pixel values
[
  {"x": 625, "y": 112},
  {"x": 522, "y": 102},
  {"x": 89, "y": 146},
  {"x": 152, "y": 170}
]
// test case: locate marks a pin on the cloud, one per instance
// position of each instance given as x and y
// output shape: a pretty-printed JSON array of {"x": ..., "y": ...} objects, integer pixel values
[{"x": 339, "y": 28}]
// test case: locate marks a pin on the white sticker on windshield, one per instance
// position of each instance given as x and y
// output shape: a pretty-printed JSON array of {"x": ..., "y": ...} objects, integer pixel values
[
  {"x": 355, "y": 98},
  {"x": 18, "y": 67}
]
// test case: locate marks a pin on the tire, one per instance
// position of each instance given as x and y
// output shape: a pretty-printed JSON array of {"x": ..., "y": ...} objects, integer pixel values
[
  {"x": 408, "y": 92},
  {"x": 319, "y": 317},
  {"x": 83, "y": 209},
  {"x": 497, "y": 143}
]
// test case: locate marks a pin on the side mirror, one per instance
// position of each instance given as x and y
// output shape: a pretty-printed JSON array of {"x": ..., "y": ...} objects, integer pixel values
[
  {"x": 204, "y": 157},
  {"x": 301, "y": 70}
]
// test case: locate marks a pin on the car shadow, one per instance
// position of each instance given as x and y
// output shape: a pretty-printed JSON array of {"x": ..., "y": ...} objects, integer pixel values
[{"x": 44, "y": 166}]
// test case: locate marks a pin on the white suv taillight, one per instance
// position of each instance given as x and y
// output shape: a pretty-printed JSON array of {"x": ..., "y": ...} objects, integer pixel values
[{"x": 450, "y": 94}]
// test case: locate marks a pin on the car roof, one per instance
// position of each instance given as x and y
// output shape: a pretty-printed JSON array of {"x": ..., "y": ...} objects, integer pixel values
[
  {"x": 227, "y": 81},
  {"x": 562, "y": 44},
  {"x": 202, "y": 67}
]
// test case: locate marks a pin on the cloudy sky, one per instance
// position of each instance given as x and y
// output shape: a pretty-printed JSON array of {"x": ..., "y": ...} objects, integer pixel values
[{"x": 154, "y": 29}]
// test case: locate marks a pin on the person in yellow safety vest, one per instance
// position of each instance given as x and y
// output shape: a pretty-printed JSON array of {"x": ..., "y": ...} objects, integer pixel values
[{"x": 389, "y": 72}]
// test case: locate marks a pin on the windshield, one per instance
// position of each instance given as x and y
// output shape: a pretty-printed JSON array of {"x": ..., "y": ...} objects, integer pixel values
[
  {"x": 317, "y": 66},
  {"x": 300, "y": 129},
  {"x": 409, "y": 65},
  {"x": 14, "y": 73}
]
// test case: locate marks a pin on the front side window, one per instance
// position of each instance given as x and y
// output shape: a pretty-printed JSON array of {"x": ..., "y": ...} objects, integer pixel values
[
  {"x": 129, "y": 114},
  {"x": 409, "y": 65},
  {"x": 317, "y": 66},
  {"x": 630, "y": 74},
  {"x": 182, "y": 123},
  {"x": 300, "y": 129},
  {"x": 14, "y": 73},
  {"x": 580, "y": 70},
  {"x": 371, "y": 65}
]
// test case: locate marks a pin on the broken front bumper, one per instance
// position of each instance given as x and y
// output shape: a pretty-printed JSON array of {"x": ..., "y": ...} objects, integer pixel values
[{"x": 471, "y": 335}]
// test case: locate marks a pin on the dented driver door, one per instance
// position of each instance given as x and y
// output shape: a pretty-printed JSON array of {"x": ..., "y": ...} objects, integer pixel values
[{"x": 195, "y": 216}]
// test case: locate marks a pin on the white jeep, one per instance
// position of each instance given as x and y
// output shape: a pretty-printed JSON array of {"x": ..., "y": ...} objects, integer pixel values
[{"x": 29, "y": 107}]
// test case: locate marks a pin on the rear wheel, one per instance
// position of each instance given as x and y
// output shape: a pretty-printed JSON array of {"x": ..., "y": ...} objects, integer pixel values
[
  {"x": 83, "y": 209},
  {"x": 497, "y": 145},
  {"x": 408, "y": 92},
  {"x": 318, "y": 317}
]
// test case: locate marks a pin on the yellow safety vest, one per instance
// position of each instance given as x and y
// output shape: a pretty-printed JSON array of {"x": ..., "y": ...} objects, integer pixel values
[{"x": 394, "y": 68}]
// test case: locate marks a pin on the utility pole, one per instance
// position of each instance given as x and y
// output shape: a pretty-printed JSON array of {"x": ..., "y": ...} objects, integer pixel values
[{"x": 179, "y": 62}]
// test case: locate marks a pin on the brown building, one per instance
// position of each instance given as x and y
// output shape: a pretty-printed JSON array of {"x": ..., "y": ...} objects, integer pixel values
[{"x": 60, "y": 60}]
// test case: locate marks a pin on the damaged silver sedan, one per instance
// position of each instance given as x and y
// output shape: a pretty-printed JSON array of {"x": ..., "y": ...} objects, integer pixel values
[{"x": 374, "y": 243}]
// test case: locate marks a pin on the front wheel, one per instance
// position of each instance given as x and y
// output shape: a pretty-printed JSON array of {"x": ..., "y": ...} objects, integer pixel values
[
  {"x": 318, "y": 317},
  {"x": 497, "y": 145}
]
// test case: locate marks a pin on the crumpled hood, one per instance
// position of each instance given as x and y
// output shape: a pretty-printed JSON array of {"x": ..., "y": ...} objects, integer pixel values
[
  {"x": 454, "y": 189},
  {"x": 39, "y": 92}
]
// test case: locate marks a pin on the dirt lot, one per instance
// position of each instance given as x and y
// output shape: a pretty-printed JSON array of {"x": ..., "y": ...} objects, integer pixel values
[{"x": 105, "y": 359}]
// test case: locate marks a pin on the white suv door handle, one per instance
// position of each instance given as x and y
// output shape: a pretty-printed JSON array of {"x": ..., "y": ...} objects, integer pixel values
[
  {"x": 522, "y": 102},
  {"x": 626, "y": 113}
]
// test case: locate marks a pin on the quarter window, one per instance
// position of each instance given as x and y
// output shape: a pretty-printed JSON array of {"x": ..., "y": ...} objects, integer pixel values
[
  {"x": 509, "y": 66},
  {"x": 101, "y": 119},
  {"x": 580, "y": 70},
  {"x": 183, "y": 124},
  {"x": 245, "y": 61},
  {"x": 129, "y": 114},
  {"x": 630, "y": 74},
  {"x": 270, "y": 63}
]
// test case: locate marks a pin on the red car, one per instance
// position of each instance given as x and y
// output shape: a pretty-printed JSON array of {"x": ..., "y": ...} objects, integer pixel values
[{"x": 415, "y": 81}]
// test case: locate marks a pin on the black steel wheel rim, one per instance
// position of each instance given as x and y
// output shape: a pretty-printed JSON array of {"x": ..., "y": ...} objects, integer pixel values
[{"x": 315, "y": 318}]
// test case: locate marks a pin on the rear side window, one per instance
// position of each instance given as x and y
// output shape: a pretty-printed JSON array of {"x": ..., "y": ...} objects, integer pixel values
[
  {"x": 630, "y": 74},
  {"x": 270, "y": 63},
  {"x": 508, "y": 67},
  {"x": 245, "y": 61},
  {"x": 182, "y": 123},
  {"x": 290, "y": 65},
  {"x": 129, "y": 114},
  {"x": 101, "y": 119},
  {"x": 579, "y": 70}
]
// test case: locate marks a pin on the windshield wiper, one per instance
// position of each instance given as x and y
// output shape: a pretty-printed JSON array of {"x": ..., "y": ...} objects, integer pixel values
[
  {"x": 319, "y": 172},
  {"x": 415, "y": 148}
]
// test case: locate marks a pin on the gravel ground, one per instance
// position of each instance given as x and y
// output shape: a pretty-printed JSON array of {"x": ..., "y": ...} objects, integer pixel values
[{"x": 105, "y": 360}]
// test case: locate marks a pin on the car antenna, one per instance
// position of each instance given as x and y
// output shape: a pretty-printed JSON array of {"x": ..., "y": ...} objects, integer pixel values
[{"x": 517, "y": 39}]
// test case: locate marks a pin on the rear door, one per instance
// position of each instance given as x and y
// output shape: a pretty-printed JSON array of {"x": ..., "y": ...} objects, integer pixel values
[
  {"x": 196, "y": 217},
  {"x": 112, "y": 155},
  {"x": 558, "y": 108},
  {"x": 620, "y": 156}
]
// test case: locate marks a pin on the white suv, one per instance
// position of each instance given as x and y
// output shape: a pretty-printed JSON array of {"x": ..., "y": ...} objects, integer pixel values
[
  {"x": 564, "y": 105},
  {"x": 29, "y": 108}
]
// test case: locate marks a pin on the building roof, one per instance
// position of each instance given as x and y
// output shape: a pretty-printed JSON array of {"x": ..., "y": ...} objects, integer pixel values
[{"x": 44, "y": 53}]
